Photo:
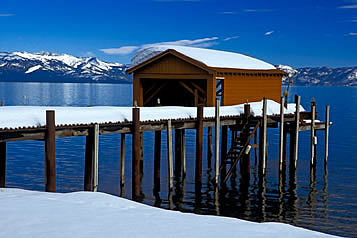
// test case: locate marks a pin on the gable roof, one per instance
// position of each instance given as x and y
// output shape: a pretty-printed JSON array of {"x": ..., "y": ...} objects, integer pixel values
[{"x": 205, "y": 57}]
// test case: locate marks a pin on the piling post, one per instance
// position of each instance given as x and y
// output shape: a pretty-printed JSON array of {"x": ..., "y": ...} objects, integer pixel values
[
  {"x": 169, "y": 155},
  {"x": 88, "y": 162},
  {"x": 157, "y": 160},
  {"x": 217, "y": 135},
  {"x": 199, "y": 140},
  {"x": 122, "y": 159},
  {"x": 183, "y": 152},
  {"x": 294, "y": 136},
  {"x": 281, "y": 135},
  {"x": 263, "y": 138},
  {"x": 50, "y": 152},
  {"x": 313, "y": 135},
  {"x": 327, "y": 126},
  {"x": 95, "y": 157},
  {"x": 2, "y": 164},
  {"x": 136, "y": 153},
  {"x": 178, "y": 151},
  {"x": 209, "y": 147},
  {"x": 224, "y": 145}
]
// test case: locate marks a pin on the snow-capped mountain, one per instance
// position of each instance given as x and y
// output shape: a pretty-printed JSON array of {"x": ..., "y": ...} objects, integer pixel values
[
  {"x": 322, "y": 76},
  {"x": 52, "y": 67}
]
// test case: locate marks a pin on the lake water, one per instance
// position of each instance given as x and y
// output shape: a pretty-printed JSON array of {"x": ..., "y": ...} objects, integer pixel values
[{"x": 327, "y": 203}]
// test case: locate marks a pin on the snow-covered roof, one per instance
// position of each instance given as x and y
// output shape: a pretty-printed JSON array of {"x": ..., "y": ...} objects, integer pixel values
[{"x": 209, "y": 57}]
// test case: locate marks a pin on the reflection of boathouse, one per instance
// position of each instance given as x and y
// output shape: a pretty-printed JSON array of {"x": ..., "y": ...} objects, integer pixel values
[{"x": 186, "y": 76}]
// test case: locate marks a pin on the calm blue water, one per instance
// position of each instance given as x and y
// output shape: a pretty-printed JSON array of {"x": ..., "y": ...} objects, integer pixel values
[{"x": 328, "y": 203}]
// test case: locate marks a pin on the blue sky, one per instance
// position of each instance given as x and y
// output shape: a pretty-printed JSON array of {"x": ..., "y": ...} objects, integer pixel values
[{"x": 297, "y": 33}]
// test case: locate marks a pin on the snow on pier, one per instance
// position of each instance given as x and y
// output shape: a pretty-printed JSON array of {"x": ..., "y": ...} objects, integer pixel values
[{"x": 13, "y": 117}]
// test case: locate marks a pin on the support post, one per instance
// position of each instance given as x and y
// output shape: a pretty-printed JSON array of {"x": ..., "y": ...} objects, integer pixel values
[
  {"x": 95, "y": 157},
  {"x": 2, "y": 164},
  {"x": 209, "y": 147},
  {"x": 183, "y": 152},
  {"x": 312, "y": 135},
  {"x": 178, "y": 151},
  {"x": 169, "y": 155},
  {"x": 157, "y": 160},
  {"x": 50, "y": 152},
  {"x": 224, "y": 151},
  {"x": 281, "y": 133},
  {"x": 122, "y": 159},
  {"x": 136, "y": 154},
  {"x": 296, "y": 131},
  {"x": 91, "y": 159},
  {"x": 199, "y": 140},
  {"x": 263, "y": 139},
  {"x": 217, "y": 135},
  {"x": 327, "y": 126}
]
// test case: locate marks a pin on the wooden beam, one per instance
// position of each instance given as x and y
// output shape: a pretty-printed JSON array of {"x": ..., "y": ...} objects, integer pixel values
[
  {"x": 95, "y": 158},
  {"x": 149, "y": 91},
  {"x": 169, "y": 155},
  {"x": 198, "y": 88},
  {"x": 281, "y": 133},
  {"x": 122, "y": 159},
  {"x": 155, "y": 92},
  {"x": 327, "y": 126},
  {"x": 50, "y": 152},
  {"x": 2, "y": 164},
  {"x": 312, "y": 135},
  {"x": 217, "y": 135},
  {"x": 157, "y": 160},
  {"x": 199, "y": 140},
  {"x": 136, "y": 154}
]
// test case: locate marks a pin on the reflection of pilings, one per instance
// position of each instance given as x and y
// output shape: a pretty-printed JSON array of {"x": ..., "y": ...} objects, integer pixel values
[
  {"x": 325, "y": 192},
  {"x": 311, "y": 198},
  {"x": 292, "y": 199},
  {"x": 209, "y": 147},
  {"x": 282, "y": 181},
  {"x": 216, "y": 201},
  {"x": 157, "y": 160},
  {"x": 224, "y": 152},
  {"x": 261, "y": 196}
]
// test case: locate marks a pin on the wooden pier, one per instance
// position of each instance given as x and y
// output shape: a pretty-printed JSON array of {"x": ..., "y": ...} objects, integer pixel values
[{"x": 248, "y": 132}]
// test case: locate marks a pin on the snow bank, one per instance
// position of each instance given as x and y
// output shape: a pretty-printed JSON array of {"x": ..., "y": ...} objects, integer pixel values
[
  {"x": 211, "y": 58},
  {"x": 30, "y": 116},
  {"x": 86, "y": 214}
]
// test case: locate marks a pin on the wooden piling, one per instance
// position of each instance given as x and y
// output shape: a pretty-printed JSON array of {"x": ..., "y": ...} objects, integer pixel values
[
  {"x": 281, "y": 134},
  {"x": 224, "y": 145},
  {"x": 122, "y": 159},
  {"x": 217, "y": 135},
  {"x": 327, "y": 126},
  {"x": 169, "y": 155},
  {"x": 95, "y": 157},
  {"x": 209, "y": 147},
  {"x": 50, "y": 152},
  {"x": 294, "y": 136},
  {"x": 183, "y": 152},
  {"x": 2, "y": 164},
  {"x": 312, "y": 135},
  {"x": 199, "y": 140},
  {"x": 178, "y": 151},
  {"x": 157, "y": 160},
  {"x": 91, "y": 159},
  {"x": 263, "y": 139},
  {"x": 136, "y": 154}
]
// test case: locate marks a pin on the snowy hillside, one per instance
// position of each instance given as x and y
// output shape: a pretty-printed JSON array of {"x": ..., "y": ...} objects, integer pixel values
[{"x": 52, "y": 67}]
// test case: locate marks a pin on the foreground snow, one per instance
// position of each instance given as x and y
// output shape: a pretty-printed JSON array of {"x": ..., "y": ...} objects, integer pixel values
[
  {"x": 30, "y": 116},
  {"x": 85, "y": 214}
]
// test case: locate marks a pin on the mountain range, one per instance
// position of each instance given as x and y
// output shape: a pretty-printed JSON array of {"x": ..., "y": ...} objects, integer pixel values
[{"x": 52, "y": 67}]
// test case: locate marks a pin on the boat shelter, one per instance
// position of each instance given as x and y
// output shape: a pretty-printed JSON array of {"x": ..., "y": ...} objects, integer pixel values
[{"x": 186, "y": 76}]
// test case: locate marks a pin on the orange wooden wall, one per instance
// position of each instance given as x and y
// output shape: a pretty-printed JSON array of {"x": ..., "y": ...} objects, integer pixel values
[{"x": 237, "y": 89}]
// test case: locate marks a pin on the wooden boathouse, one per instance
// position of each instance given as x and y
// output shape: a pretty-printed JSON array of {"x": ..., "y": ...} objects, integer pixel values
[{"x": 187, "y": 76}]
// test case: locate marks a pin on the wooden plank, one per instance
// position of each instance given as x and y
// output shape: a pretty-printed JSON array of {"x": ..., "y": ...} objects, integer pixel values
[
  {"x": 95, "y": 157},
  {"x": 2, "y": 164},
  {"x": 281, "y": 133},
  {"x": 157, "y": 160},
  {"x": 312, "y": 135},
  {"x": 217, "y": 135},
  {"x": 122, "y": 159},
  {"x": 136, "y": 154},
  {"x": 169, "y": 155},
  {"x": 327, "y": 126},
  {"x": 50, "y": 152},
  {"x": 209, "y": 147},
  {"x": 199, "y": 144}
]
